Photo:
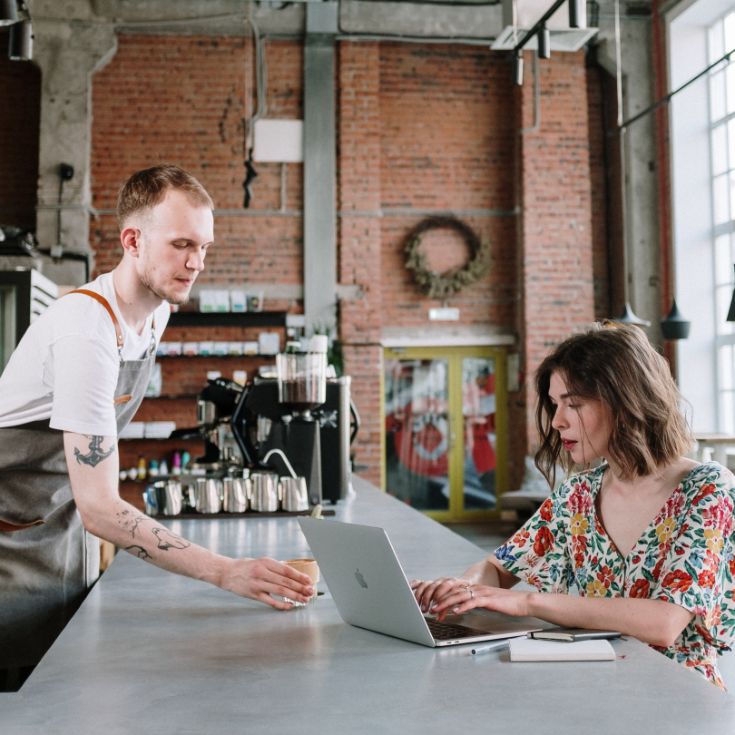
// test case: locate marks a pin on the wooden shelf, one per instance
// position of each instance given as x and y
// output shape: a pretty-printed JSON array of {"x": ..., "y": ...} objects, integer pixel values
[
  {"x": 228, "y": 319},
  {"x": 217, "y": 357},
  {"x": 156, "y": 439}
]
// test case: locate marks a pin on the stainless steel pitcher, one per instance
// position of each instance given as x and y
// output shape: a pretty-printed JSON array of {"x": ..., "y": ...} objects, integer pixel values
[
  {"x": 235, "y": 492},
  {"x": 207, "y": 495},
  {"x": 294, "y": 496},
  {"x": 292, "y": 490},
  {"x": 264, "y": 492},
  {"x": 164, "y": 498}
]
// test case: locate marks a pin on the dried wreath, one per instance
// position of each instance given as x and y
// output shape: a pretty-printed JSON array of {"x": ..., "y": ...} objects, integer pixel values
[{"x": 442, "y": 285}]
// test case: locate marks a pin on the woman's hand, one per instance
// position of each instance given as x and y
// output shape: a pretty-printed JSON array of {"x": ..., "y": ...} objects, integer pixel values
[
  {"x": 457, "y": 595},
  {"x": 430, "y": 594},
  {"x": 471, "y": 596}
]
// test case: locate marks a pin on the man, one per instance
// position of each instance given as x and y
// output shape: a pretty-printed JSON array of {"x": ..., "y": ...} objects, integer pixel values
[{"x": 74, "y": 381}]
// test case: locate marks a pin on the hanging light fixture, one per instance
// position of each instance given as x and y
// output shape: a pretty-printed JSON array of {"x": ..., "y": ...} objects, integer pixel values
[
  {"x": 8, "y": 12},
  {"x": 577, "y": 14},
  {"x": 544, "y": 43},
  {"x": 675, "y": 326},
  {"x": 518, "y": 68},
  {"x": 731, "y": 310},
  {"x": 21, "y": 41}
]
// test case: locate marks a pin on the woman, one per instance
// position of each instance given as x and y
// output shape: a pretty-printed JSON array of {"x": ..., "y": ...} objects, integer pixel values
[{"x": 646, "y": 536}]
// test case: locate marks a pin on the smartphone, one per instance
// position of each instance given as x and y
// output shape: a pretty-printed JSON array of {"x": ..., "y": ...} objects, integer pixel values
[{"x": 573, "y": 634}]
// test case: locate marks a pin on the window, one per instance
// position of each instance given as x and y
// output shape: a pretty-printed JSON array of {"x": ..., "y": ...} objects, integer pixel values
[
  {"x": 702, "y": 124},
  {"x": 720, "y": 39}
]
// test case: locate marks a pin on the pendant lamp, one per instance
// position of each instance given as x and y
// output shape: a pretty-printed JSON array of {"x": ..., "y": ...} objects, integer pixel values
[{"x": 8, "y": 12}]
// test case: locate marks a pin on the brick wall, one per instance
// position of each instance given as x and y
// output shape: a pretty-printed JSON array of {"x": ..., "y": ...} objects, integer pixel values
[
  {"x": 421, "y": 128},
  {"x": 20, "y": 92},
  {"x": 184, "y": 100},
  {"x": 360, "y": 264},
  {"x": 557, "y": 218},
  {"x": 447, "y": 132}
]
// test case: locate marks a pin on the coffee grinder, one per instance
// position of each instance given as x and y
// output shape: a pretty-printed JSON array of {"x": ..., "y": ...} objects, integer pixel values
[
  {"x": 302, "y": 387},
  {"x": 289, "y": 425}
]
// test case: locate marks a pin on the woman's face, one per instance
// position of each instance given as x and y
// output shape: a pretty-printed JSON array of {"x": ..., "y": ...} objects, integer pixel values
[{"x": 584, "y": 424}]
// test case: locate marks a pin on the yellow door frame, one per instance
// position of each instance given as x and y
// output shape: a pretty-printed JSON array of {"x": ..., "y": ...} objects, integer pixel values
[{"x": 454, "y": 357}]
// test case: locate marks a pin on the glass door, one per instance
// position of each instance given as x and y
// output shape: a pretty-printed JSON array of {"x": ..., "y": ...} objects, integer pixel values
[{"x": 445, "y": 429}]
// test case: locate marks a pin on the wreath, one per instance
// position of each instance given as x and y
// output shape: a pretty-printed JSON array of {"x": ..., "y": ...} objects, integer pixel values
[{"x": 442, "y": 285}]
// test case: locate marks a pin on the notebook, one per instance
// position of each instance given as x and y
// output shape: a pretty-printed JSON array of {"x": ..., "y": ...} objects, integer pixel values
[
  {"x": 371, "y": 590},
  {"x": 534, "y": 649}
]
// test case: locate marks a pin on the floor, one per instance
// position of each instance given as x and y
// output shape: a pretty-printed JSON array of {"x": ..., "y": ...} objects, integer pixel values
[{"x": 487, "y": 535}]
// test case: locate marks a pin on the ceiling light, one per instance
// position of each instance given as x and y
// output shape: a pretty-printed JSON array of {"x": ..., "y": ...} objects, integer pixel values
[
  {"x": 21, "y": 41},
  {"x": 8, "y": 12}
]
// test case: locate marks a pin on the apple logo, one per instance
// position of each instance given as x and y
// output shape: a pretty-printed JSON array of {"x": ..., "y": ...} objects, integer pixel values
[{"x": 360, "y": 579}]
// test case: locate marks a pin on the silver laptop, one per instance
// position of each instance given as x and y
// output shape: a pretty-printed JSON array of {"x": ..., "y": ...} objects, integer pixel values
[{"x": 371, "y": 591}]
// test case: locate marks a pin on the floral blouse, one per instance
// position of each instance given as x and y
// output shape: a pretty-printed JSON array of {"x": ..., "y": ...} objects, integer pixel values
[{"x": 685, "y": 556}]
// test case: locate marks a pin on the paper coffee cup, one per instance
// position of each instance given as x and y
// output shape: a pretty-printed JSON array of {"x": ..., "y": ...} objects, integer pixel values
[{"x": 308, "y": 567}]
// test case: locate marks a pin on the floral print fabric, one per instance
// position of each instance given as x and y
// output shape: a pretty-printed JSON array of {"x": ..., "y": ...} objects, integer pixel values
[{"x": 685, "y": 556}]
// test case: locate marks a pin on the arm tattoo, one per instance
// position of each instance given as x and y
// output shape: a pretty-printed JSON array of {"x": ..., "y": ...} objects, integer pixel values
[
  {"x": 130, "y": 521},
  {"x": 138, "y": 551},
  {"x": 168, "y": 540},
  {"x": 96, "y": 454}
]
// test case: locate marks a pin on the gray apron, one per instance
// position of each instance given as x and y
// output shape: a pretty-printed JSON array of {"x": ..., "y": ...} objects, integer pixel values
[{"x": 47, "y": 560}]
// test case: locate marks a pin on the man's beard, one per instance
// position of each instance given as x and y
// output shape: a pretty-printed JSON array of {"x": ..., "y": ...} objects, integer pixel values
[{"x": 178, "y": 301}]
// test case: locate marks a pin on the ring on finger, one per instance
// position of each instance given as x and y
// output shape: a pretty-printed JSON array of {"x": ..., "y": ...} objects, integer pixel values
[{"x": 472, "y": 593}]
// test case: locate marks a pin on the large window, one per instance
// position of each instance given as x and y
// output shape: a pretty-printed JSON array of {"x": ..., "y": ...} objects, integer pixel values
[
  {"x": 720, "y": 40},
  {"x": 702, "y": 119}
]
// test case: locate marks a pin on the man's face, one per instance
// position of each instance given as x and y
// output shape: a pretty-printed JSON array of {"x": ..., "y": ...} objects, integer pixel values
[{"x": 174, "y": 238}]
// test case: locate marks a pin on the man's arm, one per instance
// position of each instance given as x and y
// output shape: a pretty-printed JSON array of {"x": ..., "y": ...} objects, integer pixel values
[{"x": 93, "y": 464}]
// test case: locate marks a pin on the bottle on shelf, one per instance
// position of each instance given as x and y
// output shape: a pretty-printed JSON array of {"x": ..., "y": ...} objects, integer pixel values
[{"x": 142, "y": 468}]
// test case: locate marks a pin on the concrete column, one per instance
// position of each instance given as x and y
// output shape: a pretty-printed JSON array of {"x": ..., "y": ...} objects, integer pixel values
[
  {"x": 642, "y": 254},
  {"x": 320, "y": 163},
  {"x": 68, "y": 53}
]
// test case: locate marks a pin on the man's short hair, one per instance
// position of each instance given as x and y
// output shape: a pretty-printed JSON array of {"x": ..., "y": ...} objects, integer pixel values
[{"x": 146, "y": 188}]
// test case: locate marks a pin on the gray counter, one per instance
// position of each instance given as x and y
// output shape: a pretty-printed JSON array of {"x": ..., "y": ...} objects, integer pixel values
[{"x": 151, "y": 652}]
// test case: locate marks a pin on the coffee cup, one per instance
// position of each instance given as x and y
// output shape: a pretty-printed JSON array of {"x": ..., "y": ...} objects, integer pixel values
[{"x": 308, "y": 567}]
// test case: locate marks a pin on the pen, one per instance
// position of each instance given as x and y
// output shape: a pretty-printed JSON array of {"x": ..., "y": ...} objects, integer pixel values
[{"x": 477, "y": 650}]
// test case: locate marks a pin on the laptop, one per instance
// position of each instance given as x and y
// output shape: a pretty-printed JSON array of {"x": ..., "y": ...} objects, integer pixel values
[{"x": 371, "y": 590}]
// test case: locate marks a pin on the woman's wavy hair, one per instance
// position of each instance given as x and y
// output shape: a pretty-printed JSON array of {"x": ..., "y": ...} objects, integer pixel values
[{"x": 616, "y": 364}]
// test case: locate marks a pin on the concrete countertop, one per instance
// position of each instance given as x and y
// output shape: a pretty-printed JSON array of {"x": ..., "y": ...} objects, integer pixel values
[{"x": 151, "y": 652}]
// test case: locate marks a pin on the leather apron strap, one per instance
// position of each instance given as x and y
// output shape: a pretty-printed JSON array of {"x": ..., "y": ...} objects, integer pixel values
[{"x": 102, "y": 300}]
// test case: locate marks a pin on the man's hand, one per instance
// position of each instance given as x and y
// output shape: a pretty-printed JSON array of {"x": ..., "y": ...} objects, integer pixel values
[{"x": 267, "y": 580}]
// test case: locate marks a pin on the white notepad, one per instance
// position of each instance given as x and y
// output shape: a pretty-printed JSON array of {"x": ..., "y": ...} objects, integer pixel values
[{"x": 529, "y": 649}]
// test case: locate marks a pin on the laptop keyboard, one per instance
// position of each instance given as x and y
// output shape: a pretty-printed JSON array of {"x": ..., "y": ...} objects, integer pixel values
[{"x": 448, "y": 631}]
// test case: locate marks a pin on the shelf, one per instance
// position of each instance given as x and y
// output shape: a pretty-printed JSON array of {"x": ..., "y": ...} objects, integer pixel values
[
  {"x": 217, "y": 357},
  {"x": 227, "y": 319},
  {"x": 156, "y": 439}
]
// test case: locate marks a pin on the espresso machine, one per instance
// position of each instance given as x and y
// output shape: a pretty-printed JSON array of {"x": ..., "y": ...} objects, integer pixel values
[
  {"x": 316, "y": 444},
  {"x": 215, "y": 405}
]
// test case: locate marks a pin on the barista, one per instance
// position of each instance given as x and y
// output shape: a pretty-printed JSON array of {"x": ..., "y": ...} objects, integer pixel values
[{"x": 75, "y": 380}]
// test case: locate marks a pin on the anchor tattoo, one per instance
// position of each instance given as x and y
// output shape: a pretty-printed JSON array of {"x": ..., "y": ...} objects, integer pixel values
[{"x": 96, "y": 455}]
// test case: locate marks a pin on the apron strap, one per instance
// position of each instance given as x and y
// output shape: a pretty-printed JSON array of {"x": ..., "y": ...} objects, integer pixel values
[
  {"x": 102, "y": 300},
  {"x": 118, "y": 332},
  {"x": 7, "y": 527}
]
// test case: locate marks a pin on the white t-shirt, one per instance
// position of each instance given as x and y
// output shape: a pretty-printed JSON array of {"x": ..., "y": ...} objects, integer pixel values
[{"x": 66, "y": 366}]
